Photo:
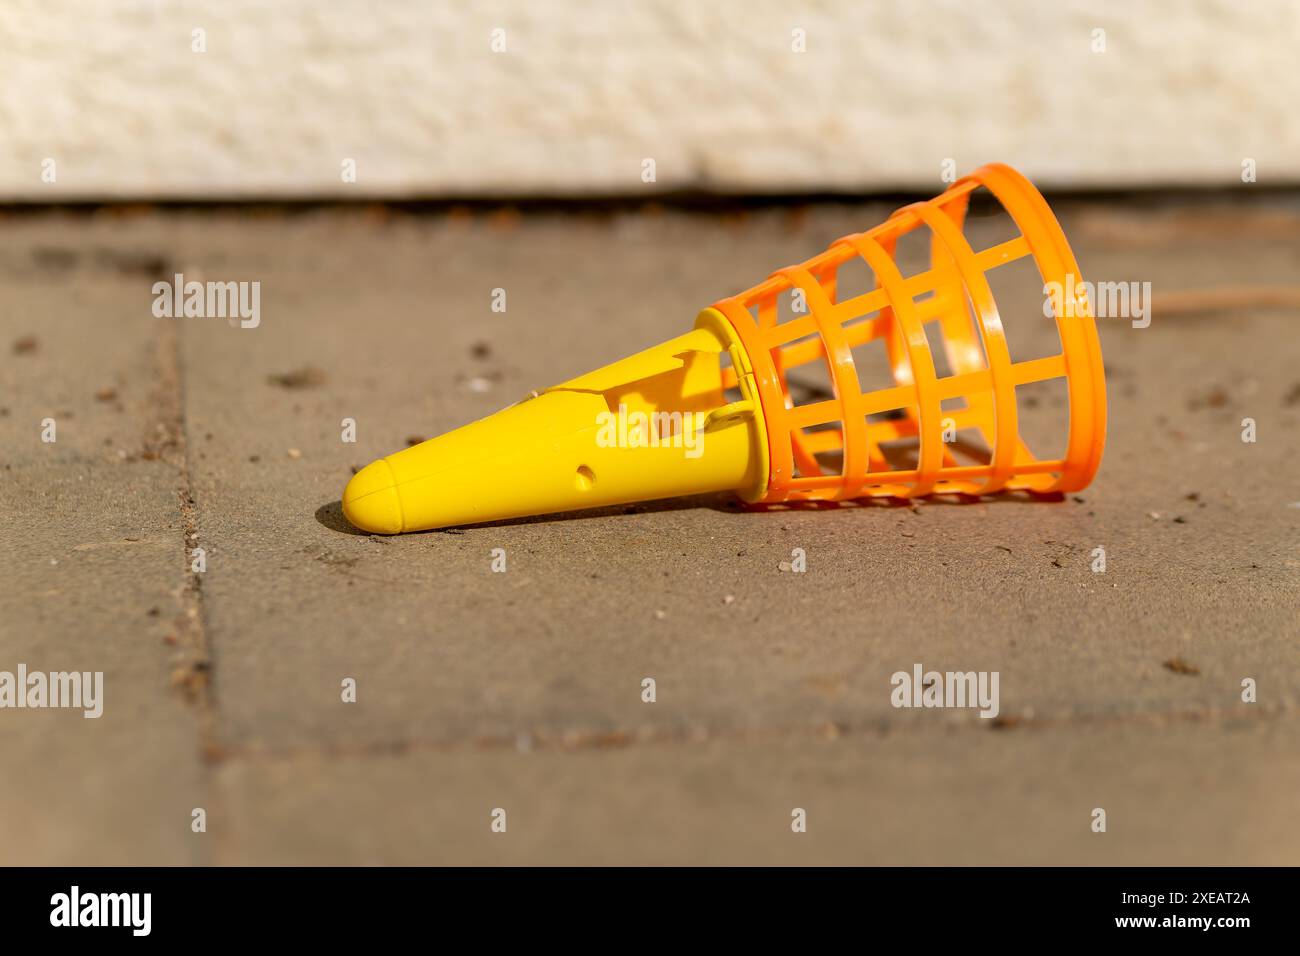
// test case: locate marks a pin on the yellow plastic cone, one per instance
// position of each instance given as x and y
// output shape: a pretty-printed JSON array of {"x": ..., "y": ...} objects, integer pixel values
[
  {"x": 654, "y": 425},
  {"x": 712, "y": 410}
]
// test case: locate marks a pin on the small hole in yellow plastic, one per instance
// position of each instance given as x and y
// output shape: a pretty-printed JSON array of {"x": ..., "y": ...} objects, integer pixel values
[{"x": 584, "y": 479}]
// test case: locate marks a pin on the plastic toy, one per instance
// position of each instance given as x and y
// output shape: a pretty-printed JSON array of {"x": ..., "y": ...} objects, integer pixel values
[{"x": 714, "y": 410}]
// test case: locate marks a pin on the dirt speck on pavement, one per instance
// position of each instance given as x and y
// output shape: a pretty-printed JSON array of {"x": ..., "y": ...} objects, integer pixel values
[{"x": 308, "y": 376}]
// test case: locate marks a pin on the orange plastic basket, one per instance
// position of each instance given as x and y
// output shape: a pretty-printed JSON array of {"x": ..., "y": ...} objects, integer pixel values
[{"x": 833, "y": 448}]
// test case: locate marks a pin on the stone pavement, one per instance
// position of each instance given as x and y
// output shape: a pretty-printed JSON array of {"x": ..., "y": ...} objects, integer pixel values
[{"x": 522, "y": 691}]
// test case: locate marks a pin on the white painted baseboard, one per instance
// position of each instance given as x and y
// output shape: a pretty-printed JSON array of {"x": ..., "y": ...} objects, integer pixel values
[{"x": 714, "y": 92}]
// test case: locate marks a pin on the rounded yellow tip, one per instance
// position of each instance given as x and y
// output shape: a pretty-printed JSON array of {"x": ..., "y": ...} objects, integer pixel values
[{"x": 370, "y": 500}]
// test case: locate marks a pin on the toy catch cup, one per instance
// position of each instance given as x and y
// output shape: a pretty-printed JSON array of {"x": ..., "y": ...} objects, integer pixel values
[{"x": 713, "y": 410}]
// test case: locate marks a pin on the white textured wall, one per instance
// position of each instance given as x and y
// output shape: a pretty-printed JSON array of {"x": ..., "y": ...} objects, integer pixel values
[{"x": 887, "y": 89}]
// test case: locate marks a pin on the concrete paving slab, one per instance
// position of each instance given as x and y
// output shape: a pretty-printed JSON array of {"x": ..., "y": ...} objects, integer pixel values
[
  {"x": 1174, "y": 793},
  {"x": 1199, "y": 538},
  {"x": 93, "y": 562}
]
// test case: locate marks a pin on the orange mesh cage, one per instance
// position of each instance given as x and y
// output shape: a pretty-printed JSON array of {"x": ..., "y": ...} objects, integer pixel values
[{"x": 860, "y": 438}]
